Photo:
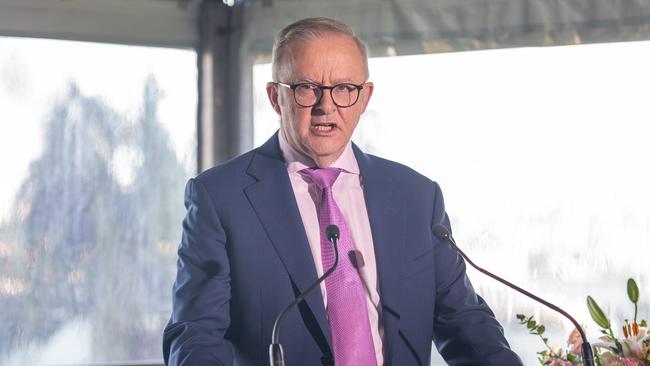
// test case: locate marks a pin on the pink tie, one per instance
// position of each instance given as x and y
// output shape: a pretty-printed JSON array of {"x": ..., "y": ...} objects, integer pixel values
[{"x": 346, "y": 304}]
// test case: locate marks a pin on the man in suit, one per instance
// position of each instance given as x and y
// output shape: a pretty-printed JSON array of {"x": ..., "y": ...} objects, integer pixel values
[{"x": 253, "y": 238}]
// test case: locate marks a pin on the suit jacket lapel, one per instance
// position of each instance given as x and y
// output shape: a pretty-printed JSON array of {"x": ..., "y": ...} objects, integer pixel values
[
  {"x": 274, "y": 202},
  {"x": 387, "y": 226}
]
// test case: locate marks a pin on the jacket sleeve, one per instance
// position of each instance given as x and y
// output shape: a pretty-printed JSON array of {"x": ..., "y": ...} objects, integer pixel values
[
  {"x": 195, "y": 334},
  {"x": 465, "y": 329}
]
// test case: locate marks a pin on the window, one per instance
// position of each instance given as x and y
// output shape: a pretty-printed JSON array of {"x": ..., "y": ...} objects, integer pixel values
[
  {"x": 543, "y": 156},
  {"x": 96, "y": 143}
]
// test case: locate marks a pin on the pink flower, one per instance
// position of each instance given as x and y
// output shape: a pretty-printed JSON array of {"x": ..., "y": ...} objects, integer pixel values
[
  {"x": 624, "y": 362},
  {"x": 560, "y": 363},
  {"x": 575, "y": 341}
]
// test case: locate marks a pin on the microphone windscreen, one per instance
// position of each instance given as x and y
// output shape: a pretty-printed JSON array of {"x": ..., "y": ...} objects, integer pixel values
[
  {"x": 332, "y": 232},
  {"x": 441, "y": 232}
]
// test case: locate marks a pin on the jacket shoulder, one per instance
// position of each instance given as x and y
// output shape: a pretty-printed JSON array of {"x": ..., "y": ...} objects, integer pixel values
[{"x": 230, "y": 173}]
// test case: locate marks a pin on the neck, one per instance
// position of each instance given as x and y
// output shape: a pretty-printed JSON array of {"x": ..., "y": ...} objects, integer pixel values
[
  {"x": 324, "y": 162},
  {"x": 292, "y": 152}
]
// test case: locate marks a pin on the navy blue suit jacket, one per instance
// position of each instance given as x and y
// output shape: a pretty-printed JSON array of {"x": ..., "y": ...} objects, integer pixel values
[{"x": 244, "y": 256}]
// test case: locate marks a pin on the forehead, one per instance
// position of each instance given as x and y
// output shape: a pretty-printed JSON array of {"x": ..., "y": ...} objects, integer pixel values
[{"x": 326, "y": 58}]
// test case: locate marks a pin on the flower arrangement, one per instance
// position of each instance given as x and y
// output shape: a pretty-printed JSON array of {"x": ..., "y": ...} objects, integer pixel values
[{"x": 632, "y": 349}]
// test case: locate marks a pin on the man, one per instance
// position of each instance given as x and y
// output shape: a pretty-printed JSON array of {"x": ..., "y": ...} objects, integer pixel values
[{"x": 254, "y": 237}]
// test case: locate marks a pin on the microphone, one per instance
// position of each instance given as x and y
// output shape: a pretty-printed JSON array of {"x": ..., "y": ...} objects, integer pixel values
[
  {"x": 587, "y": 354},
  {"x": 276, "y": 354}
]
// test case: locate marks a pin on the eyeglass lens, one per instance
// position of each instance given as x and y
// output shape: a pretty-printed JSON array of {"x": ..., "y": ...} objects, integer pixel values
[{"x": 344, "y": 95}]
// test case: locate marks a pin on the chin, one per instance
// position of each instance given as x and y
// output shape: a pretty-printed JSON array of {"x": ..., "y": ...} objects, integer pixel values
[{"x": 325, "y": 151}]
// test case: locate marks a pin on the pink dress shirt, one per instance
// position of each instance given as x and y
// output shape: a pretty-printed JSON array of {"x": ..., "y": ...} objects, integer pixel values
[{"x": 348, "y": 194}]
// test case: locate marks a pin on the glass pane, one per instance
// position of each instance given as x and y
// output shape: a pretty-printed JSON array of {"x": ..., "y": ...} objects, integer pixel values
[
  {"x": 543, "y": 156},
  {"x": 96, "y": 143}
]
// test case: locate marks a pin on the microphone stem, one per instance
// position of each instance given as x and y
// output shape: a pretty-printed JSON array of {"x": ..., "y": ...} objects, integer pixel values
[
  {"x": 276, "y": 329},
  {"x": 587, "y": 354}
]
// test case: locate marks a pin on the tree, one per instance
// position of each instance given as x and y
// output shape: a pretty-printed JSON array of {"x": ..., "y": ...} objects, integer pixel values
[{"x": 94, "y": 222}]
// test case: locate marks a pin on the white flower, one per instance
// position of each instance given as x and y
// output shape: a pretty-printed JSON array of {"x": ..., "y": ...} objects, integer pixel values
[{"x": 633, "y": 345}]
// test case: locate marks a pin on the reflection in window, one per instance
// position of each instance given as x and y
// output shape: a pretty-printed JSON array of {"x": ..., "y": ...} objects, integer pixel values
[
  {"x": 543, "y": 156},
  {"x": 96, "y": 143}
]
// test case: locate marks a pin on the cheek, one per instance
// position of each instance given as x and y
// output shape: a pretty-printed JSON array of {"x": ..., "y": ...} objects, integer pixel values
[
  {"x": 302, "y": 120},
  {"x": 297, "y": 121},
  {"x": 350, "y": 118}
]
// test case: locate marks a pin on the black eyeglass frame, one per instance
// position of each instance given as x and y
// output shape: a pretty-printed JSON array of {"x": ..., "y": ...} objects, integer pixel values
[{"x": 322, "y": 89}]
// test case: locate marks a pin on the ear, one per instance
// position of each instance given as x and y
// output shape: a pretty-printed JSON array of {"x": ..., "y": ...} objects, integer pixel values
[
  {"x": 366, "y": 93},
  {"x": 272, "y": 93}
]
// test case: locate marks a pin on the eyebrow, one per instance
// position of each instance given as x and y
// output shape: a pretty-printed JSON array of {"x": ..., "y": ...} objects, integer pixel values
[
  {"x": 344, "y": 81},
  {"x": 305, "y": 80},
  {"x": 336, "y": 82}
]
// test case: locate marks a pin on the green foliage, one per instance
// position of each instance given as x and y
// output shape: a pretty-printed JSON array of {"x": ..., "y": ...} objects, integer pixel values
[
  {"x": 538, "y": 330},
  {"x": 610, "y": 349},
  {"x": 633, "y": 294},
  {"x": 632, "y": 291},
  {"x": 531, "y": 324},
  {"x": 597, "y": 314}
]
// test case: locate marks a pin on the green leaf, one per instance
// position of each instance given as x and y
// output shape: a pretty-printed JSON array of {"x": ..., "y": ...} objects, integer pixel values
[
  {"x": 571, "y": 357},
  {"x": 521, "y": 317},
  {"x": 597, "y": 314},
  {"x": 541, "y": 329},
  {"x": 531, "y": 324},
  {"x": 632, "y": 290},
  {"x": 643, "y": 323}
]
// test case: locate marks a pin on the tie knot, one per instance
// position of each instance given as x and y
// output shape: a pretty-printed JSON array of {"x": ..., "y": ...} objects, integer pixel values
[{"x": 322, "y": 177}]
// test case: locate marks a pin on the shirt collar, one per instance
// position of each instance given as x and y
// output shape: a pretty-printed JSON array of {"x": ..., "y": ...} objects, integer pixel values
[{"x": 296, "y": 161}]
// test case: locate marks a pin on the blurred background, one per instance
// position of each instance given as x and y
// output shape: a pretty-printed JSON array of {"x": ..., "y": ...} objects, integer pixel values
[{"x": 531, "y": 114}]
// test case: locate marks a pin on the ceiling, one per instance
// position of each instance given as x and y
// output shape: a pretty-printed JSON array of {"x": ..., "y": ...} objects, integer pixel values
[
  {"x": 169, "y": 23},
  {"x": 399, "y": 26}
]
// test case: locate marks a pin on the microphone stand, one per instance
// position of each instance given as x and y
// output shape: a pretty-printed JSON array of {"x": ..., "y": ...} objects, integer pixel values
[
  {"x": 587, "y": 354},
  {"x": 276, "y": 354}
]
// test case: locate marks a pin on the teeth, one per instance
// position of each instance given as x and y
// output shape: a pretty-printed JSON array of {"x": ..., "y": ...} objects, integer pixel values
[{"x": 324, "y": 127}]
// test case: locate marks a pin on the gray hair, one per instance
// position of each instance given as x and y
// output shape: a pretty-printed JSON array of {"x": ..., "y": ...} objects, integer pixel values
[{"x": 307, "y": 30}]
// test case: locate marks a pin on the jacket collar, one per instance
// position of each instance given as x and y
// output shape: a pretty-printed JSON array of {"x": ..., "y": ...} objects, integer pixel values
[{"x": 274, "y": 202}]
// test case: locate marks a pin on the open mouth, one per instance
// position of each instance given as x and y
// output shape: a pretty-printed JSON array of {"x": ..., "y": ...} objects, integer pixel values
[{"x": 324, "y": 127}]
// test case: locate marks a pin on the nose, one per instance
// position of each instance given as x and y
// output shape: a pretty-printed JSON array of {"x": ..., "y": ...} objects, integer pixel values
[{"x": 326, "y": 103}]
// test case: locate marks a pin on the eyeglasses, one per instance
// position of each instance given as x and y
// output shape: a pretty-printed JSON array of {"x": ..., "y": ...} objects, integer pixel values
[{"x": 309, "y": 94}]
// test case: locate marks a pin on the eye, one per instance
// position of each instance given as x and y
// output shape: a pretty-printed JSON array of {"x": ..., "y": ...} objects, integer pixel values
[
  {"x": 306, "y": 87},
  {"x": 344, "y": 88}
]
